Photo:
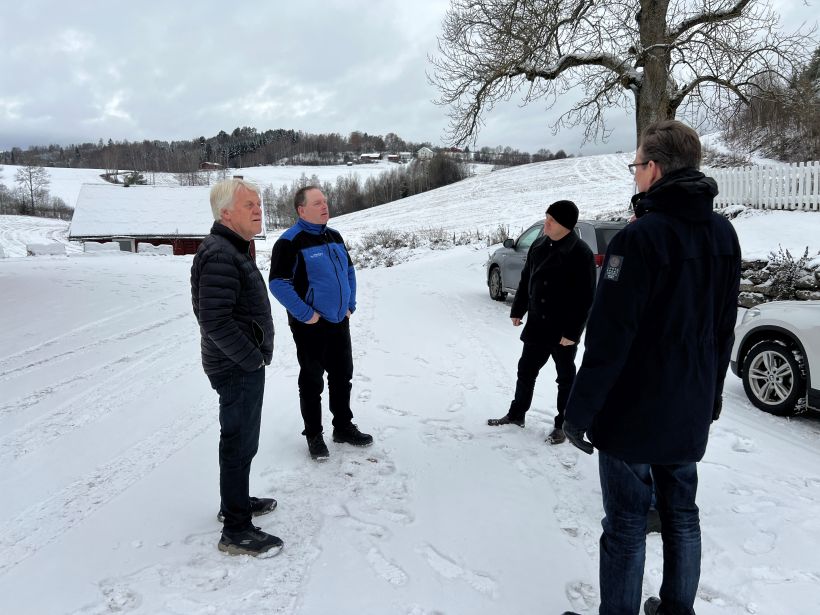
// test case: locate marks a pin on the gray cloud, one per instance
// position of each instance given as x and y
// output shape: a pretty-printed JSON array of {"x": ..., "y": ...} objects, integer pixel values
[{"x": 76, "y": 72}]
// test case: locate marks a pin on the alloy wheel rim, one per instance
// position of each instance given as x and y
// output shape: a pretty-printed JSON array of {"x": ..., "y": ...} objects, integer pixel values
[{"x": 771, "y": 377}]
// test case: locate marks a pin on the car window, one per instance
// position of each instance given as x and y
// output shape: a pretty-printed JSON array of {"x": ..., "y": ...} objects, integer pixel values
[
  {"x": 605, "y": 235},
  {"x": 587, "y": 233},
  {"x": 528, "y": 237}
]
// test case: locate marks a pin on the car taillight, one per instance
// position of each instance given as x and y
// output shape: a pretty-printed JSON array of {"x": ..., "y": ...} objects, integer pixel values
[{"x": 599, "y": 260}]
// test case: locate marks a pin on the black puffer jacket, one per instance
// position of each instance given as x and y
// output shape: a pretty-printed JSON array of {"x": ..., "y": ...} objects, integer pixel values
[
  {"x": 231, "y": 304},
  {"x": 661, "y": 328},
  {"x": 556, "y": 289}
]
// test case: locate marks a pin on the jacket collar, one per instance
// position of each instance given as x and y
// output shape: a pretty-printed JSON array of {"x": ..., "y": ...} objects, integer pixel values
[
  {"x": 309, "y": 227},
  {"x": 685, "y": 193},
  {"x": 566, "y": 243},
  {"x": 223, "y": 231}
]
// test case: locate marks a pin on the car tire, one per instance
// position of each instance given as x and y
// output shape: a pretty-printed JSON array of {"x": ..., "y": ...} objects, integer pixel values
[
  {"x": 496, "y": 288},
  {"x": 773, "y": 379}
]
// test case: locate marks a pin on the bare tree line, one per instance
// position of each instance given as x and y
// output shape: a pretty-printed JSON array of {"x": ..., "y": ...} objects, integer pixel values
[
  {"x": 30, "y": 196},
  {"x": 349, "y": 194}
]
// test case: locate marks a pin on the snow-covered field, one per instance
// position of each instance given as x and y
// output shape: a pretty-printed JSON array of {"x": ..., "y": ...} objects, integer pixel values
[
  {"x": 65, "y": 183},
  {"x": 108, "y": 444}
]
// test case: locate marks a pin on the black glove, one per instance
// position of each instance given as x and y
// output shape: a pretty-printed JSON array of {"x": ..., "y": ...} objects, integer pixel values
[
  {"x": 718, "y": 407},
  {"x": 576, "y": 436}
]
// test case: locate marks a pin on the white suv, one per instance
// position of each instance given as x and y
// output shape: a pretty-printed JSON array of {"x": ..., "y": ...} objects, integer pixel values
[{"x": 777, "y": 355}]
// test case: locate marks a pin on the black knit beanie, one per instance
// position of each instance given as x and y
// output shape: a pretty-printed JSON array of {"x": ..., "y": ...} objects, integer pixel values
[{"x": 564, "y": 213}]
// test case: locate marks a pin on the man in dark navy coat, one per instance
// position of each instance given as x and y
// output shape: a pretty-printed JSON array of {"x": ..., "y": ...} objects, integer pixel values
[
  {"x": 555, "y": 291},
  {"x": 231, "y": 304},
  {"x": 657, "y": 348}
]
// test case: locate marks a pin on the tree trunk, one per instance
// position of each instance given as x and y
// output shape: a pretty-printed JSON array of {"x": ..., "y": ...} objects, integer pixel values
[{"x": 652, "y": 99}]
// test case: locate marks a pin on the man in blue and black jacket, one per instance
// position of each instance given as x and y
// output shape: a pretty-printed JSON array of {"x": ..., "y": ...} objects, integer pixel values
[{"x": 312, "y": 275}]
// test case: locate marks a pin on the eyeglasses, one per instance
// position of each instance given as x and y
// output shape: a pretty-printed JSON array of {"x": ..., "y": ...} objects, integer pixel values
[{"x": 632, "y": 166}]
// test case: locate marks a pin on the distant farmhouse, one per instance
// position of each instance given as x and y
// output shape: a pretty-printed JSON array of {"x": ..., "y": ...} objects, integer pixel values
[
  {"x": 157, "y": 215},
  {"x": 424, "y": 153},
  {"x": 370, "y": 157}
]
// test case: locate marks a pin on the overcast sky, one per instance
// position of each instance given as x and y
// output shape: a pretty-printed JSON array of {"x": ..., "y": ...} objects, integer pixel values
[{"x": 80, "y": 71}]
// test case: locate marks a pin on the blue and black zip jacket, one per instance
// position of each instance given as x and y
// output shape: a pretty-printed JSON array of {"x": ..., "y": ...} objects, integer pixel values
[{"x": 311, "y": 271}]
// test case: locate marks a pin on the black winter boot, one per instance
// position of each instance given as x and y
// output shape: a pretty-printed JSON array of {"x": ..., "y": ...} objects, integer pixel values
[
  {"x": 350, "y": 434},
  {"x": 318, "y": 448},
  {"x": 251, "y": 541},
  {"x": 506, "y": 420},
  {"x": 259, "y": 506},
  {"x": 652, "y": 606}
]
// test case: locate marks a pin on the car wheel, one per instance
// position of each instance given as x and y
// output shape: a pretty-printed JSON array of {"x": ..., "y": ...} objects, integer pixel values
[
  {"x": 773, "y": 379},
  {"x": 496, "y": 290}
]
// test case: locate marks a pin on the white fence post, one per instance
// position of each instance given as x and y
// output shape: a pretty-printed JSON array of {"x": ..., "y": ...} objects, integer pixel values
[{"x": 788, "y": 186}]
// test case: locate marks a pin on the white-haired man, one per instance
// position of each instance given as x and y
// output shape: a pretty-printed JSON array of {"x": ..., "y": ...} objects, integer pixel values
[{"x": 231, "y": 304}]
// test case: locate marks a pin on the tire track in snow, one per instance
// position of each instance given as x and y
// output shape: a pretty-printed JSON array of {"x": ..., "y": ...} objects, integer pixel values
[
  {"x": 129, "y": 378},
  {"x": 77, "y": 331},
  {"x": 44, "y": 522}
]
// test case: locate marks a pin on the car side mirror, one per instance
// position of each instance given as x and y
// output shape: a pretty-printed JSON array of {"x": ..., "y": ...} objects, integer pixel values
[{"x": 509, "y": 243}]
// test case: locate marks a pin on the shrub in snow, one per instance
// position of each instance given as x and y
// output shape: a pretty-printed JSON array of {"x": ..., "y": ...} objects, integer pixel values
[
  {"x": 45, "y": 249},
  {"x": 785, "y": 272}
]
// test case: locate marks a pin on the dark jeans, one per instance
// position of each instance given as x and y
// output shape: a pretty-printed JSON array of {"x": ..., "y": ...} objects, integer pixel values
[
  {"x": 627, "y": 491},
  {"x": 240, "y": 414},
  {"x": 533, "y": 358},
  {"x": 324, "y": 347}
]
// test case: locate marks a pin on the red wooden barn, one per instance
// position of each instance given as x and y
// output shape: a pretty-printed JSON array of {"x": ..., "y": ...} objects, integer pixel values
[{"x": 158, "y": 215}]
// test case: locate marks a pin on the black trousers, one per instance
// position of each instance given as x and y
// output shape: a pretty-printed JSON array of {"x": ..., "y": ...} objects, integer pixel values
[
  {"x": 533, "y": 358},
  {"x": 240, "y": 414},
  {"x": 324, "y": 347}
]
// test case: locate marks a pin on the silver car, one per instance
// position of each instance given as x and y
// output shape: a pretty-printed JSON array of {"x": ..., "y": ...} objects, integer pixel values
[
  {"x": 777, "y": 355},
  {"x": 505, "y": 264}
]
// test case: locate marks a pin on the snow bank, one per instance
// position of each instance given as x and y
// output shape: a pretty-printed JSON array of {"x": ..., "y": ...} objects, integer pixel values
[{"x": 45, "y": 249}]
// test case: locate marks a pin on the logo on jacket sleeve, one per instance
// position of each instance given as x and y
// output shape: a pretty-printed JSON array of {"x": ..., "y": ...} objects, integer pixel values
[{"x": 612, "y": 270}]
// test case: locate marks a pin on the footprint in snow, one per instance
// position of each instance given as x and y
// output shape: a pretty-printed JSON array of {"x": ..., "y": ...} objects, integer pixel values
[
  {"x": 364, "y": 396},
  {"x": 384, "y": 568},
  {"x": 760, "y": 543},
  {"x": 582, "y": 596},
  {"x": 452, "y": 571},
  {"x": 391, "y": 410},
  {"x": 743, "y": 445},
  {"x": 444, "y": 430}
]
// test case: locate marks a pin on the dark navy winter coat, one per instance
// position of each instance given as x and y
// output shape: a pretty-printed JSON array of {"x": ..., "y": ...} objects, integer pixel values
[
  {"x": 555, "y": 291},
  {"x": 660, "y": 332},
  {"x": 311, "y": 270},
  {"x": 231, "y": 304}
]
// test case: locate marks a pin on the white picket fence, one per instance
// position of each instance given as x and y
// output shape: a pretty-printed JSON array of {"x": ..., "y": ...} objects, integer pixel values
[{"x": 789, "y": 186}]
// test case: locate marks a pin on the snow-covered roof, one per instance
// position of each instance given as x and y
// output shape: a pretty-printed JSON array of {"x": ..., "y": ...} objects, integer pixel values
[{"x": 142, "y": 211}]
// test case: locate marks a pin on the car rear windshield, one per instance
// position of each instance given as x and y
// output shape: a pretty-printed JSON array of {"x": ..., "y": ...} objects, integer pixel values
[{"x": 604, "y": 236}]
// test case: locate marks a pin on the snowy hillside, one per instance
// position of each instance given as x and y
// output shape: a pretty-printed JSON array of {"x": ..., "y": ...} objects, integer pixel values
[{"x": 515, "y": 197}]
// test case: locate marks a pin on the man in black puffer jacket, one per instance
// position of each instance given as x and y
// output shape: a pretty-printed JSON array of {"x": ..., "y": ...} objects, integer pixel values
[
  {"x": 556, "y": 289},
  {"x": 657, "y": 348},
  {"x": 231, "y": 304}
]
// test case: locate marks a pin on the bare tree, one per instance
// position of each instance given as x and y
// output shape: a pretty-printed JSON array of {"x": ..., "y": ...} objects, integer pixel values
[
  {"x": 33, "y": 182},
  {"x": 662, "y": 56}
]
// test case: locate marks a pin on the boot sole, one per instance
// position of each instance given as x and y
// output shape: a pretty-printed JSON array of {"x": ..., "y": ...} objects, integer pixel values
[
  {"x": 271, "y": 551},
  {"x": 352, "y": 443}
]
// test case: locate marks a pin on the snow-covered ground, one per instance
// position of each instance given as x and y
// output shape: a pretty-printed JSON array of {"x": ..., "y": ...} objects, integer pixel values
[{"x": 108, "y": 445}]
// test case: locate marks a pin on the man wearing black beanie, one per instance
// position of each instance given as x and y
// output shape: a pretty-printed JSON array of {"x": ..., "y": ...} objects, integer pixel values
[{"x": 556, "y": 289}]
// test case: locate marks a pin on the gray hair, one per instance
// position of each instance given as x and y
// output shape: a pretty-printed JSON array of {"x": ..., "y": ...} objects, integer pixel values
[{"x": 223, "y": 192}]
